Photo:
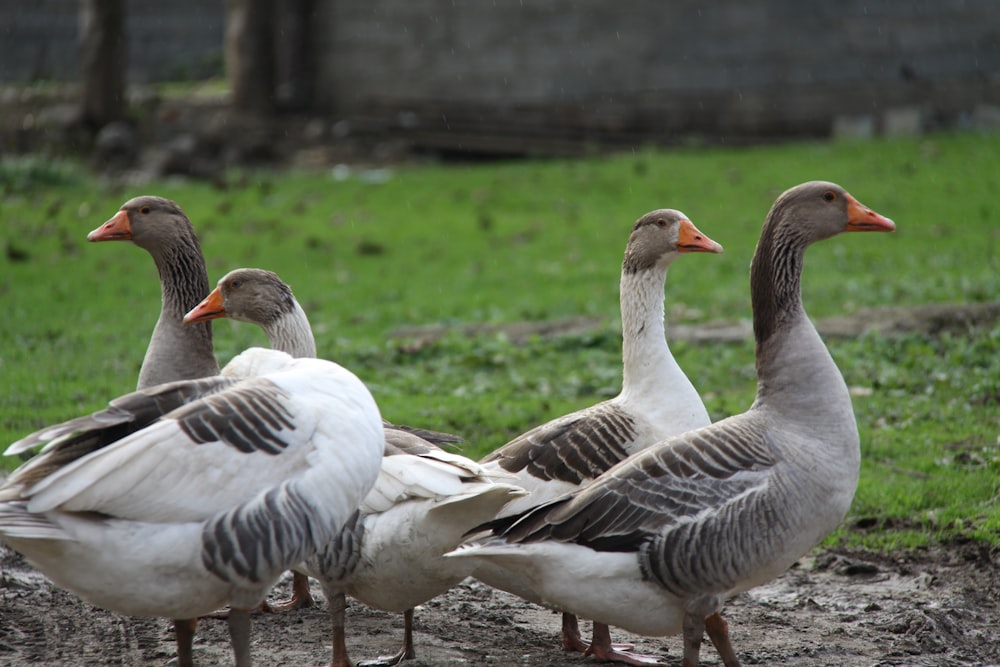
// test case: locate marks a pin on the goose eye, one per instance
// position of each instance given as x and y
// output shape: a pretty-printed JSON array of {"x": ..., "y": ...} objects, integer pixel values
[
  {"x": 144, "y": 210},
  {"x": 829, "y": 195},
  {"x": 661, "y": 222},
  {"x": 235, "y": 283}
]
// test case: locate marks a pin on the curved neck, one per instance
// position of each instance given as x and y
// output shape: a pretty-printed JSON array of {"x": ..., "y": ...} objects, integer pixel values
[
  {"x": 176, "y": 350},
  {"x": 792, "y": 360},
  {"x": 775, "y": 283},
  {"x": 645, "y": 353},
  {"x": 291, "y": 333}
]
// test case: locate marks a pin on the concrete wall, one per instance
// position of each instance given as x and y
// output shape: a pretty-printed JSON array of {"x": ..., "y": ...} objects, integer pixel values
[
  {"x": 168, "y": 40},
  {"x": 571, "y": 68},
  {"x": 769, "y": 67}
]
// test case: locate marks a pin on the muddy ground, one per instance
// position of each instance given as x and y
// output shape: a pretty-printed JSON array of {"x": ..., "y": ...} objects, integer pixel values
[{"x": 839, "y": 608}]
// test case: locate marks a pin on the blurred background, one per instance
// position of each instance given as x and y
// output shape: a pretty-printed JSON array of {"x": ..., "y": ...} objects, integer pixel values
[{"x": 201, "y": 85}]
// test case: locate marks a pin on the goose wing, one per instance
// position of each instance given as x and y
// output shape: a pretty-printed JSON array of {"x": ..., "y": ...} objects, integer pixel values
[
  {"x": 205, "y": 456},
  {"x": 684, "y": 481},
  {"x": 573, "y": 449}
]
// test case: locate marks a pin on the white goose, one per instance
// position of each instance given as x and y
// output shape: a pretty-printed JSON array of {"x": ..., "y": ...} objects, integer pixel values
[
  {"x": 176, "y": 351},
  {"x": 194, "y": 494},
  {"x": 656, "y": 401},
  {"x": 424, "y": 501},
  {"x": 658, "y": 543}
]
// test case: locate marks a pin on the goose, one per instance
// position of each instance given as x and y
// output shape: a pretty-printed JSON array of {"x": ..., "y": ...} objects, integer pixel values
[
  {"x": 261, "y": 297},
  {"x": 161, "y": 228},
  {"x": 659, "y": 542},
  {"x": 176, "y": 351},
  {"x": 423, "y": 502},
  {"x": 656, "y": 401},
  {"x": 185, "y": 496}
]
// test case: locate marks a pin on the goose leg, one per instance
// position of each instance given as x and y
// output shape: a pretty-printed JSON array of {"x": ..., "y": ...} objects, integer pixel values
[
  {"x": 239, "y": 634},
  {"x": 571, "y": 640},
  {"x": 301, "y": 597},
  {"x": 694, "y": 630},
  {"x": 405, "y": 653},
  {"x": 718, "y": 632},
  {"x": 184, "y": 631},
  {"x": 338, "y": 606},
  {"x": 604, "y": 651}
]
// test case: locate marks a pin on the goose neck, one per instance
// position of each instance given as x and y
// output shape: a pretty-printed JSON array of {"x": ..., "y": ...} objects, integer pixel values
[
  {"x": 795, "y": 371},
  {"x": 292, "y": 333},
  {"x": 645, "y": 352}
]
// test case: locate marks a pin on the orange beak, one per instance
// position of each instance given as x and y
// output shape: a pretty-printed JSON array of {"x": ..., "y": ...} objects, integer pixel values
[
  {"x": 210, "y": 308},
  {"x": 117, "y": 228},
  {"x": 862, "y": 219},
  {"x": 689, "y": 239}
]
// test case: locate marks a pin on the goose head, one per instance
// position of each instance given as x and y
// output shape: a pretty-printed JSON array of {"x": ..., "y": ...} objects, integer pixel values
[
  {"x": 660, "y": 236},
  {"x": 248, "y": 295},
  {"x": 818, "y": 210},
  {"x": 148, "y": 222}
]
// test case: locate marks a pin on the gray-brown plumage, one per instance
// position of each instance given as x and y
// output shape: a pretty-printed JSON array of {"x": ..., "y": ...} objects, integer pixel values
[
  {"x": 657, "y": 400},
  {"x": 159, "y": 226},
  {"x": 659, "y": 542}
]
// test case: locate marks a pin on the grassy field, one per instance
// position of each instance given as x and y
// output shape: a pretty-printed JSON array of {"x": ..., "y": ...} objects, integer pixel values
[{"x": 372, "y": 251}]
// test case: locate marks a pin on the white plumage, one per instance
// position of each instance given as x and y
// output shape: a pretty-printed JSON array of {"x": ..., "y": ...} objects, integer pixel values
[{"x": 187, "y": 496}]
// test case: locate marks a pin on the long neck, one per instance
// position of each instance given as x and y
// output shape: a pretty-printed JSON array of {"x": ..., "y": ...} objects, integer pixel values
[
  {"x": 794, "y": 368},
  {"x": 291, "y": 333},
  {"x": 176, "y": 350},
  {"x": 646, "y": 357}
]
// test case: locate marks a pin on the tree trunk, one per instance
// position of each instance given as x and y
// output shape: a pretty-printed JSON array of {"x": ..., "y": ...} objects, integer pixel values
[
  {"x": 250, "y": 55},
  {"x": 103, "y": 55}
]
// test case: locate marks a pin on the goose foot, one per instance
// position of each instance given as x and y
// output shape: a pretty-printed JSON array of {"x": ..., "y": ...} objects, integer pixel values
[
  {"x": 386, "y": 660},
  {"x": 301, "y": 597},
  {"x": 604, "y": 651},
  {"x": 405, "y": 653},
  {"x": 572, "y": 641},
  {"x": 262, "y": 608}
]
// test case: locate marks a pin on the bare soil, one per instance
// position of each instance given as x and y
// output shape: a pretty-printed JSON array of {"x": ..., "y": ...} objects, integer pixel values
[{"x": 843, "y": 608}]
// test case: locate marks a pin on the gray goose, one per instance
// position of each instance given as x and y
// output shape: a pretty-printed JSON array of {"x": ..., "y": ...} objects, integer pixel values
[
  {"x": 159, "y": 227},
  {"x": 659, "y": 542},
  {"x": 175, "y": 351},
  {"x": 423, "y": 502},
  {"x": 657, "y": 399}
]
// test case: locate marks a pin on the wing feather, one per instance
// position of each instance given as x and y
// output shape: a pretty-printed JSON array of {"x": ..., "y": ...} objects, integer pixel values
[
  {"x": 575, "y": 448},
  {"x": 668, "y": 485},
  {"x": 214, "y": 452}
]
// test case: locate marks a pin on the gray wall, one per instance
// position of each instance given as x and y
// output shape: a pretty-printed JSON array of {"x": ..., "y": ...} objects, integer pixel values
[
  {"x": 168, "y": 40},
  {"x": 572, "y": 68},
  {"x": 765, "y": 66}
]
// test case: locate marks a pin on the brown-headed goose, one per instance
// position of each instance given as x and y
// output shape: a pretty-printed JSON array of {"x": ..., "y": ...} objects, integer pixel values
[
  {"x": 658, "y": 543},
  {"x": 159, "y": 227},
  {"x": 424, "y": 501},
  {"x": 190, "y": 495},
  {"x": 656, "y": 401},
  {"x": 177, "y": 351}
]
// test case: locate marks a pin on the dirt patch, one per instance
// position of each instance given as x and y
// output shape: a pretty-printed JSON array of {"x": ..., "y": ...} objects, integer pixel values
[
  {"x": 833, "y": 608},
  {"x": 933, "y": 319}
]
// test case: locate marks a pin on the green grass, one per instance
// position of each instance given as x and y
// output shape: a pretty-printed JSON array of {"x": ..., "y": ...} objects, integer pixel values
[{"x": 543, "y": 240}]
